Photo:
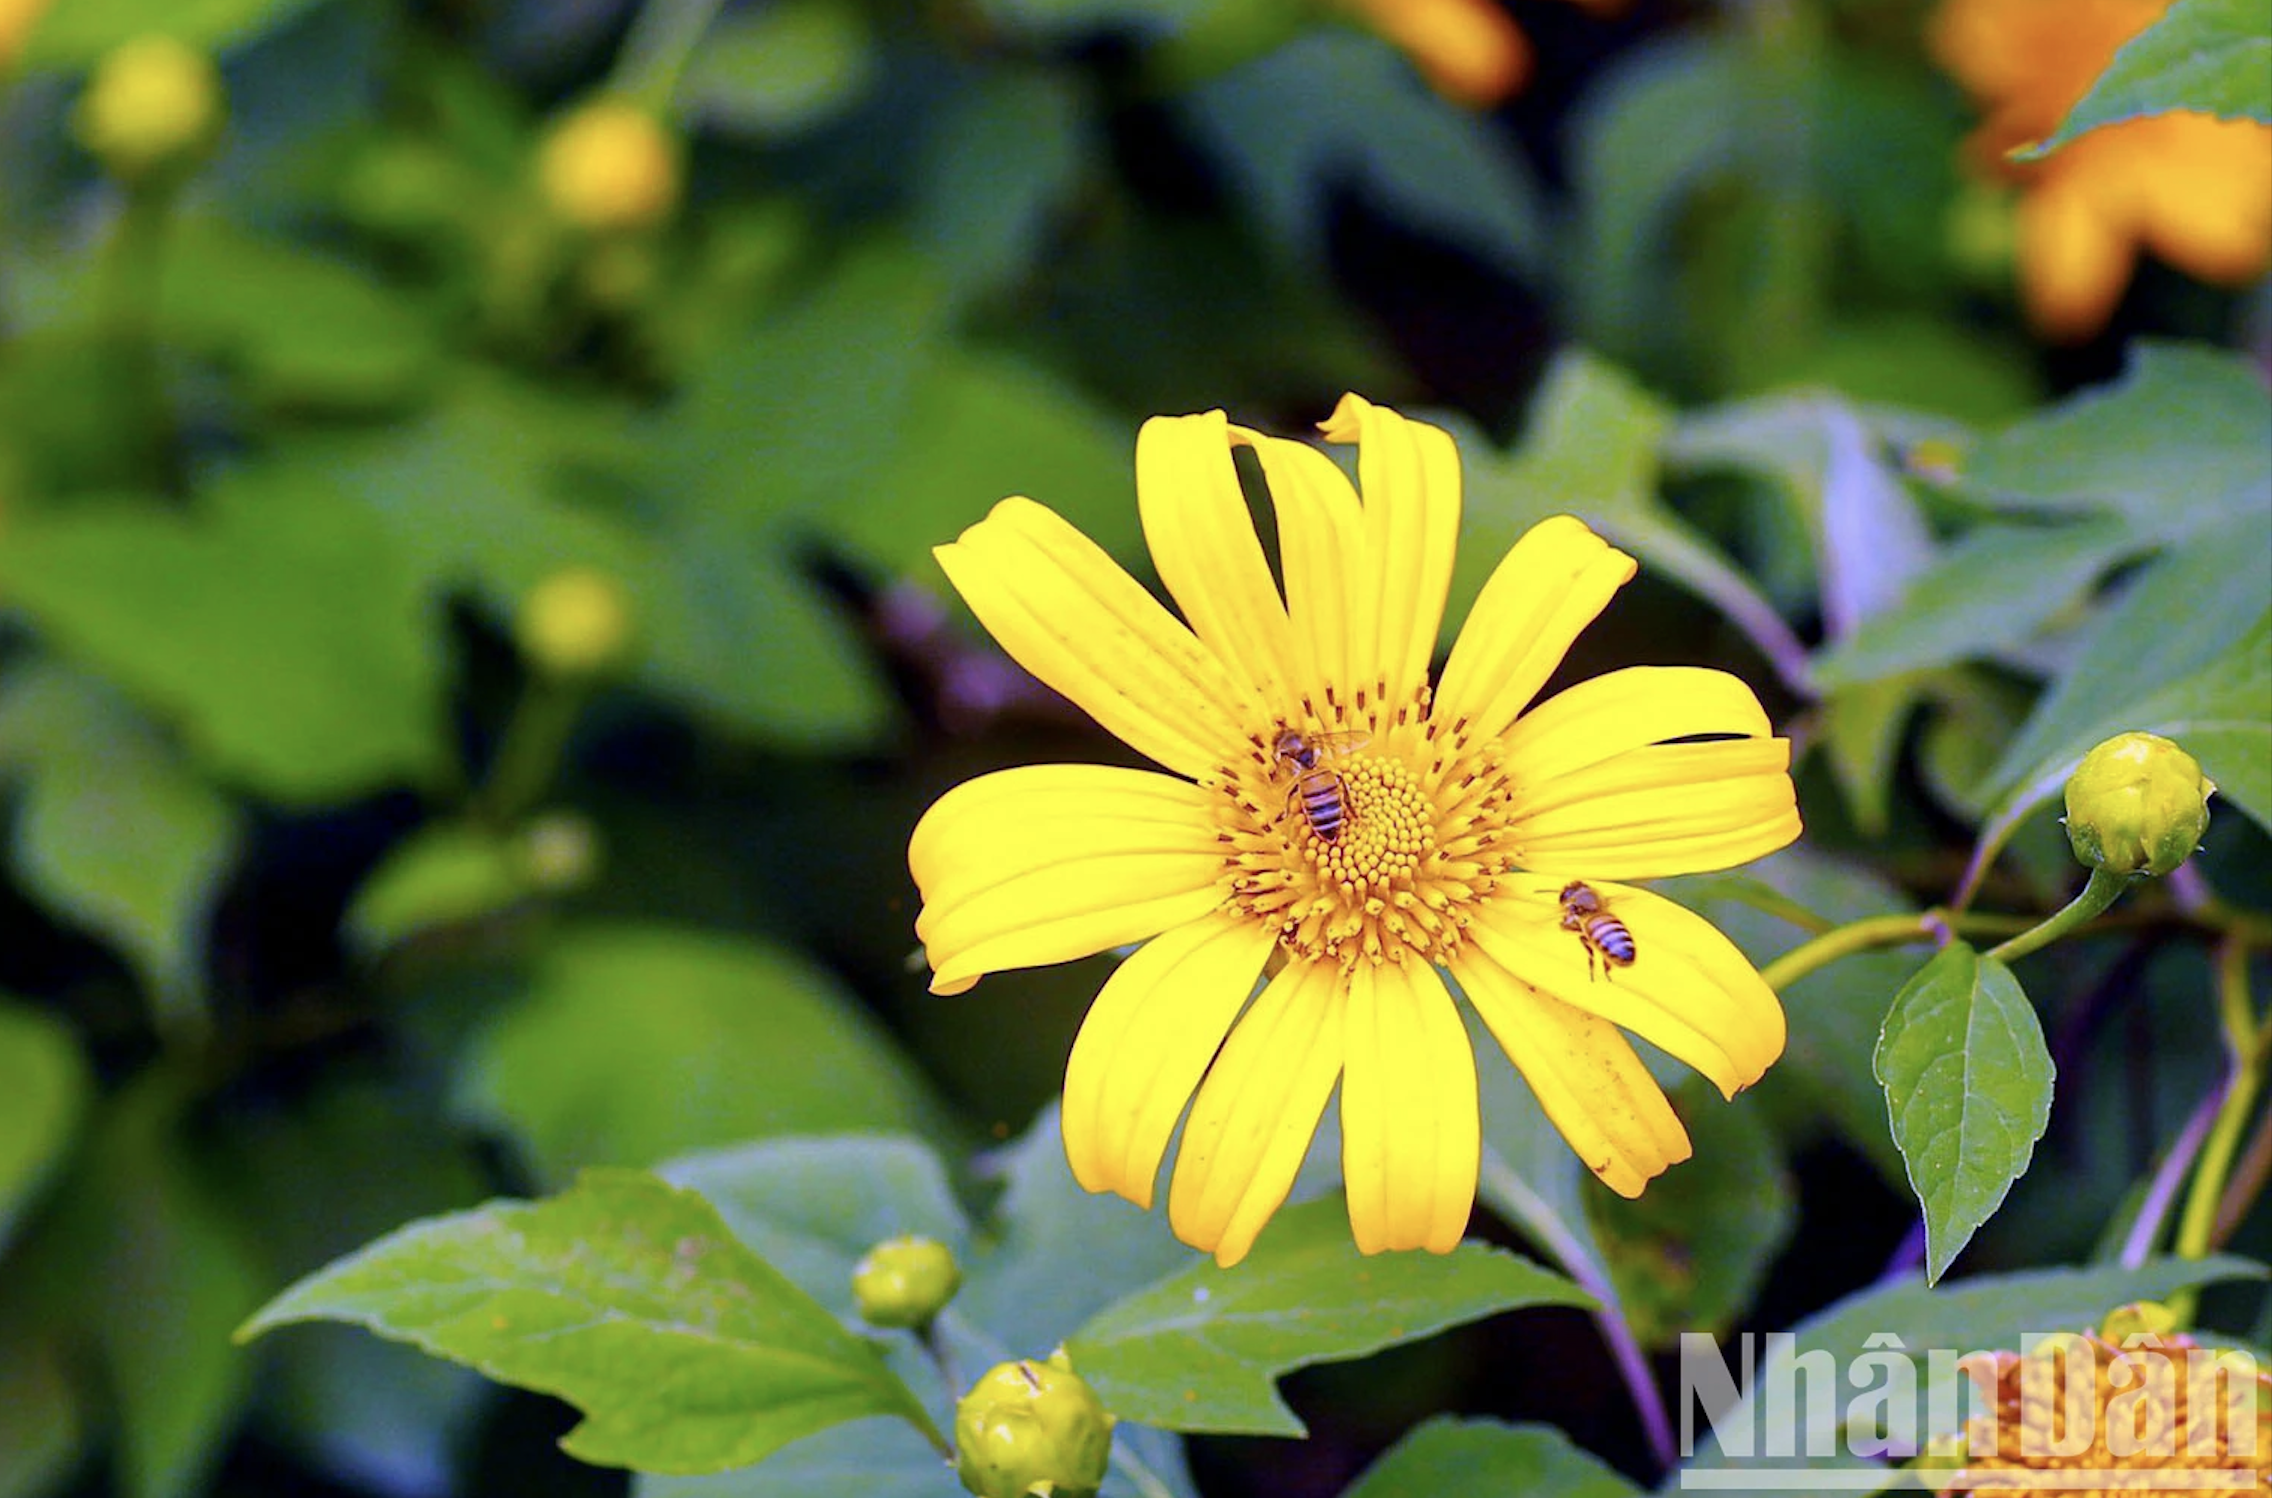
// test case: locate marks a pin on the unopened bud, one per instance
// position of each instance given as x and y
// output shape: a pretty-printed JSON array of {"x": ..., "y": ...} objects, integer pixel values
[
  {"x": 152, "y": 106},
  {"x": 2144, "y": 1318},
  {"x": 1032, "y": 1430},
  {"x": 610, "y": 166},
  {"x": 577, "y": 622},
  {"x": 2137, "y": 804},
  {"x": 905, "y": 1282}
]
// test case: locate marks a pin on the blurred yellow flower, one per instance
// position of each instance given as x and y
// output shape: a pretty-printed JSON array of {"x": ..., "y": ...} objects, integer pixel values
[
  {"x": 152, "y": 104},
  {"x": 609, "y": 166},
  {"x": 2196, "y": 191},
  {"x": 1336, "y": 822},
  {"x": 1471, "y": 51}
]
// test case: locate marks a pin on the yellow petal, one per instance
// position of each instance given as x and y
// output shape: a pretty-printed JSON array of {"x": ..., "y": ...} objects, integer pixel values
[
  {"x": 1203, "y": 542},
  {"x": 1688, "y": 992},
  {"x": 1257, "y": 1110},
  {"x": 1543, "y": 593},
  {"x": 1146, "y": 1042},
  {"x": 1069, "y": 614},
  {"x": 1660, "y": 810},
  {"x": 1409, "y": 472},
  {"x": 1584, "y": 1074},
  {"x": 1626, "y": 709},
  {"x": 1410, "y": 1136},
  {"x": 2075, "y": 259},
  {"x": 1321, "y": 537},
  {"x": 1046, "y": 863}
]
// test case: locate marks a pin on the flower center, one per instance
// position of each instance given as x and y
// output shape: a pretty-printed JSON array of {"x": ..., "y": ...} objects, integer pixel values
[{"x": 1364, "y": 836}]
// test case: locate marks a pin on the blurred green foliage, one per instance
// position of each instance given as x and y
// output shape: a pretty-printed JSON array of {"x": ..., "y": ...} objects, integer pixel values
[{"x": 326, "y": 907}]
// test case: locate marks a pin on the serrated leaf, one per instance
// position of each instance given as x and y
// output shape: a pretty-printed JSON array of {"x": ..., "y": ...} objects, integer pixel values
[
  {"x": 1983, "y": 1314},
  {"x": 2209, "y": 57},
  {"x": 43, "y": 1091},
  {"x": 2174, "y": 446},
  {"x": 637, "y": 1043},
  {"x": 1447, "y": 1456},
  {"x": 442, "y": 875},
  {"x": 1968, "y": 1086},
  {"x": 1202, "y": 1350},
  {"x": 812, "y": 1207},
  {"x": 627, "y": 1297},
  {"x": 275, "y": 625},
  {"x": 1993, "y": 589}
]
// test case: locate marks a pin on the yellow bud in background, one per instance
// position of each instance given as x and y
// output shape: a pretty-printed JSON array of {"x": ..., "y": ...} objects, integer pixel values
[
  {"x": 153, "y": 106},
  {"x": 559, "y": 851},
  {"x": 1030, "y": 1428},
  {"x": 610, "y": 166},
  {"x": 905, "y": 1282},
  {"x": 577, "y": 622},
  {"x": 2137, "y": 804}
]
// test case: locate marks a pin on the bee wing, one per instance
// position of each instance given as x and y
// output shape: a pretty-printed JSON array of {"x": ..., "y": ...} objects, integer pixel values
[{"x": 1339, "y": 743}]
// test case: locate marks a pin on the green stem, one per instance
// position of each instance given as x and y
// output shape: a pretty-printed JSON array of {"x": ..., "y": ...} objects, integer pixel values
[
  {"x": 2102, "y": 891},
  {"x": 2245, "y": 1042},
  {"x": 535, "y": 740},
  {"x": 661, "y": 42},
  {"x": 133, "y": 278},
  {"x": 1880, "y": 931}
]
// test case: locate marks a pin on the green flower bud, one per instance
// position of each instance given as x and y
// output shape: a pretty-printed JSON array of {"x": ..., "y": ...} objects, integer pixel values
[
  {"x": 905, "y": 1282},
  {"x": 153, "y": 106},
  {"x": 1032, "y": 1430},
  {"x": 2137, "y": 804}
]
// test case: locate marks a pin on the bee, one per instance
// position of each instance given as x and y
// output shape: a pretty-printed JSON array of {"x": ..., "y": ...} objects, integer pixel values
[
  {"x": 1318, "y": 788},
  {"x": 1598, "y": 930}
]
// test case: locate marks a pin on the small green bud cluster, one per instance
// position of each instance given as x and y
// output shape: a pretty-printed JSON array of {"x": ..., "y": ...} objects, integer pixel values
[
  {"x": 2137, "y": 804},
  {"x": 1032, "y": 1430}
]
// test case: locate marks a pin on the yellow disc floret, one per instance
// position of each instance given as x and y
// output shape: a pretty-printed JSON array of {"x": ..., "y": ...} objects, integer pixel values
[{"x": 1408, "y": 835}]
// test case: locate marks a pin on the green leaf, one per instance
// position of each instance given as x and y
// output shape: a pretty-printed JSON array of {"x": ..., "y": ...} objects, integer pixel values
[
  {"x": 2205, "y": 56},
  {"x": 812, "y": 1207},
  {"x": 160, "y": 1270},
  {"x": 637, "y": 1043},
  {"x": 1447, "y": 1456},
  {"x": 2183, "y": 654},
  {"x": 870, "y": 1458},
  {"x": 274, "y": 624},
  {"x": 43, "y": 1091},
  {"x": 1983, "y": 1314},
  {"x": 784, "y": 68},
  {"x": 42, "y": 1422},
  {"x": 1202, "y": 1350},
  {"x": 75, "y": 33},
  {"x": 1694, "y": 1250},
  {"x": 997, "y": 168},
  {"x": 297, "y": 327},
  {"x": 2173, "y": 447},
  {"x": 1343, "y": 108},
  {"x": 115, "y": 834},
  {"x": 1994, "y": 589},
  {"x": 1861, "y": 735},
  {"x": 1968, "y": 1084},
  {"x": 630, "y": 1299},
  {"x": 443, "y": 875},
  {"x": 1060, "y": 1254}
]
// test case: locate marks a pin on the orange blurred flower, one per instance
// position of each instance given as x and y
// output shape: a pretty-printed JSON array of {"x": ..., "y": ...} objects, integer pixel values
[
  {"x": 2195, "y": 190},
  {"x": 1471, "y": 51},
  {"x": 17, "y": 17}
]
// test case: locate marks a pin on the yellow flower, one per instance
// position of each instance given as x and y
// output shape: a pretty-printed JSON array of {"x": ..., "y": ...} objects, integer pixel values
[
  {"x": 1470, "y": 51},
  {"x": 1462, "y": 818},
  {"x": 17, "y": 18},
  {"x": 152, "y": 105},
  {"x": 2196, "y": 191}
]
